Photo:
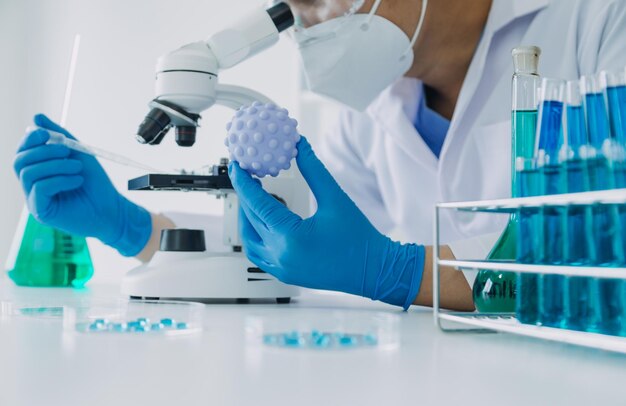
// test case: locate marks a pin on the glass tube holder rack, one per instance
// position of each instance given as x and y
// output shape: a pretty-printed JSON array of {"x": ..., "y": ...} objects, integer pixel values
[{"x": 477, "y": 322}]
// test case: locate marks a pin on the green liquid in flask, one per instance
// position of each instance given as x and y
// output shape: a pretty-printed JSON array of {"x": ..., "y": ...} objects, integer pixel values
[
  {"x": 50, "y": 258},
  {"x": 495, "y": 291}
]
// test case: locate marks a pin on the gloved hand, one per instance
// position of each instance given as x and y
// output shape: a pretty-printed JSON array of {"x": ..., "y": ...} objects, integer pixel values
[
  {"x": 336, "y": 249},
  {"x": 70, "y": 191}
]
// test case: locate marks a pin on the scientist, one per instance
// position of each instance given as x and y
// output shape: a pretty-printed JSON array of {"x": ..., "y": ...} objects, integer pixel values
[{"x": 427, "y": 85}]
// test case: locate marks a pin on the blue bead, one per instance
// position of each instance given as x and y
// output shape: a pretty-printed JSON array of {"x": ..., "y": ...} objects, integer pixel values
[
  {"x": 157, "y": 326},
  {"x": 101, "y": 321},
  {"x": 119, "y": 327},
  {"x": 270, "y": 339},
  {"x": 347, "y": 341},
  {"x": 168, "y": 322},
  {"x": 322, "y": 341},
  {"x": 95, "y": 327},
  {"x": 137, "y": 328},
  {"x": 143, "y": 321},
  {"x": 370, "y": 339},
  {"x": 181, "y": 326},
  {"x": 293, "y": 339},
  {"x": 292, "y": 342}
]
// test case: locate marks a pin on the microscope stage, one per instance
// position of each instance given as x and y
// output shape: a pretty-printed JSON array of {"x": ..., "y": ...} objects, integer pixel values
[{"x": 200, "y": 183}]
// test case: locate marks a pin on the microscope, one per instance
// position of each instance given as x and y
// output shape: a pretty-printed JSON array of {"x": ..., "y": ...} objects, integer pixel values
[{"x": 187, "y": 85}]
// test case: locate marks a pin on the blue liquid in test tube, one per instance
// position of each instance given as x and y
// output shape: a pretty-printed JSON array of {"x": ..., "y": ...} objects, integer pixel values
[
  {"x": 597, "y": 119},
  {"x": 608, "y": 248},
  {"x": 614, "y": 84},
  {"x": 606, "y": 230},
  {"x": 576, "y": 131},
  {"x": 580, "y": 306},
  {"x": 553, "y": 178},
  {"x": 615, "y": 90},
  {"x": 616, "y": 96},
  {"x": 581, "y": 309},
  {"x": 529, "y": 242},
  {"x": 525, "y": 173}
]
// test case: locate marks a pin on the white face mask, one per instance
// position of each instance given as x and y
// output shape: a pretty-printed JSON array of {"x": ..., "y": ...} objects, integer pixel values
[{"x": 353, "y": 59}]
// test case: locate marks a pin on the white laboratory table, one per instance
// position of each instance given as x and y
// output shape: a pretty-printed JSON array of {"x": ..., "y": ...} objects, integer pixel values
[{"x": 39, "y": 365}]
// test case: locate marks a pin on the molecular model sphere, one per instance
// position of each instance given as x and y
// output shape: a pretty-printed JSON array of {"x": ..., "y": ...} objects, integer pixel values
[{"x": 262, "y": 138}]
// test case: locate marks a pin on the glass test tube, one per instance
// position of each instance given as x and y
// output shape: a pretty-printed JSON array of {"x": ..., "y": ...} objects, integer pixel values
[
  {"x": 621, "y": 92},
  {"x": 523, "y": 169},
  {"x": 530, "y": 232},
  {"x": 601, "y": 174},
  {"x": 596, "y": 114},
  {"x": 606, "y": 228},
  {"x": 614, "y": 86},
  {"x": 580, "y": 292},
  {"x": 553, "y": 181},
  {"x": 524, "y": 104}
]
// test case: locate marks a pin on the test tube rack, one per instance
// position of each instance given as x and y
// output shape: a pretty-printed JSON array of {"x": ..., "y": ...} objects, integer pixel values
[{"x": 476, "y": 322}]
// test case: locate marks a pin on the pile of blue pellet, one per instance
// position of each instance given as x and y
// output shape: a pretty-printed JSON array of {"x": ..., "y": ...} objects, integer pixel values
[
  {"x": 319, "y": 340},
  {"x": 139, "y": 325}
]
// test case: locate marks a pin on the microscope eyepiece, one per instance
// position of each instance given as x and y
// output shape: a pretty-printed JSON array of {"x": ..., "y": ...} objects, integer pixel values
[
  {"x": 282, "y": 16},
  {"x": 154, "y": 127}
]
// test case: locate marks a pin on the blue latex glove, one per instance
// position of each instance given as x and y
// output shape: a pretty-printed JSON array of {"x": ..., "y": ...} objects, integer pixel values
[
  {"x": 70, "y": 191},
  {"x": 336, "y": 249}
]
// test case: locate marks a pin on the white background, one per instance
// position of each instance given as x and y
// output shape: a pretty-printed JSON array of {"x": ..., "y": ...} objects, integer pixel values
[{"x": 114, "y": 80}]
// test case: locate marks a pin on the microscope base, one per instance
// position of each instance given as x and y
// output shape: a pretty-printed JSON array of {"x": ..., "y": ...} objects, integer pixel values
[{"x": 204, "y": 276}]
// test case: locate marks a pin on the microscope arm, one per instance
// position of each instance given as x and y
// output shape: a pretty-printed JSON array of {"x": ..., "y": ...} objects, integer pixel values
[
  {"x": 252, "y": 34},
  {"x": 236, "y": 96},
  {"x": 189, "y": 76},
  {"x": 187, "y": 79}
]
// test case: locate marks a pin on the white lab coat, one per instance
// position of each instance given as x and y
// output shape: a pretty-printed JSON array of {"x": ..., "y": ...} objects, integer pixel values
[{"x": 384, "y": 165}]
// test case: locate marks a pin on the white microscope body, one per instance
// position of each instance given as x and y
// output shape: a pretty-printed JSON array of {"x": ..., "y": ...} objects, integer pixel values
[
  {"x": 186, "y": 85},
  {"x": 193, "y": 273}
]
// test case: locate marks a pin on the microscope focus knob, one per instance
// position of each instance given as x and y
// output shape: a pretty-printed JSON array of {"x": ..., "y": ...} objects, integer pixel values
[{"x": 182, "y": 240}]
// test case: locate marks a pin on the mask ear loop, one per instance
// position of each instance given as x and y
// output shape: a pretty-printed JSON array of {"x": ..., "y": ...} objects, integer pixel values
[
  {"x": 357, "y": 4},
  {"x": 366, "y": 25},
  {"x": 417, "y": 30}
]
